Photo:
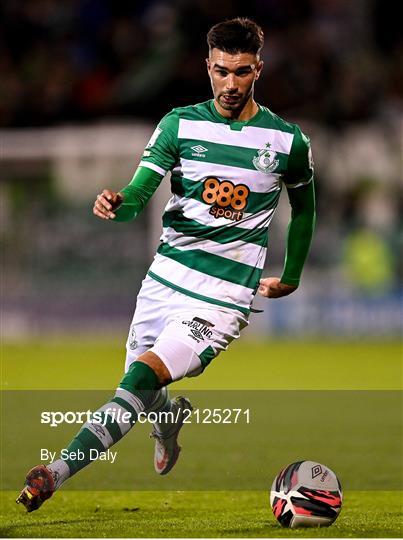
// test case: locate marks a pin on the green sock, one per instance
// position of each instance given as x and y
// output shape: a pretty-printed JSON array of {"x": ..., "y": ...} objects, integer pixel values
[{"x": 137, "y": 391}]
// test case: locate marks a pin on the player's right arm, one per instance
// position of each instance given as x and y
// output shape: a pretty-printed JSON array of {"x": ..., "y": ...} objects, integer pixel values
[
  {"x": 127, "y": 203},
  {"x": 160, "y": 156}
]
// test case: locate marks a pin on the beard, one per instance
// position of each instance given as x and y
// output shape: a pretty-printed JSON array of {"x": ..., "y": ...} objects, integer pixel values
[{"x": 233, "y": 102}]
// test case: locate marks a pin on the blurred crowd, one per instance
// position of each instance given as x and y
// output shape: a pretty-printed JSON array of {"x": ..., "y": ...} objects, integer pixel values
[{"x": 64, "y": 61}]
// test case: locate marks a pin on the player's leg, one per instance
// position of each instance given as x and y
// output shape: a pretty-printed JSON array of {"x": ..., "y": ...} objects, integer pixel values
[
  {"x": 183, "y": 348},
  {"x": 136, "y": 393},
  {"x": 150, "y": 317},
  {"x": 195, "y": 334}
]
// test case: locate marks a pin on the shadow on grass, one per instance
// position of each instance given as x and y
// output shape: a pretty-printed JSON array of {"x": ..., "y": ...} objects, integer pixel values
[{"x": 8, "y": 531}]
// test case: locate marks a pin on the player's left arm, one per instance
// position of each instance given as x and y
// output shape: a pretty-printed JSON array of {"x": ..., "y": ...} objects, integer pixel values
[{"x": 301, "y": 193}]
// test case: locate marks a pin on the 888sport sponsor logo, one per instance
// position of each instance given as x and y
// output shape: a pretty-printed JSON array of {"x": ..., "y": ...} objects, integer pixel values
[{"x": 228, "y": 200}]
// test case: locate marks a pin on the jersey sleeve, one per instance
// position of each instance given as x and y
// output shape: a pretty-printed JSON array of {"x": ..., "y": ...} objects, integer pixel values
[
  {"x": 162, "y": 151},
  {"x": 137, "y": 194},
  {"x": 300, "y": 163},
  {"x": 300, "y": 232}
]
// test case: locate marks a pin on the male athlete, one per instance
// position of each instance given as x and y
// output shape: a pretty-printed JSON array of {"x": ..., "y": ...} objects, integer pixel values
[{"x": 229, "y": 158}]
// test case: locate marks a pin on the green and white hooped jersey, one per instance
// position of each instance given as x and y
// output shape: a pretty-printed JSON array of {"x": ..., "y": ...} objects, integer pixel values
[{"x": 226, "y": 182}]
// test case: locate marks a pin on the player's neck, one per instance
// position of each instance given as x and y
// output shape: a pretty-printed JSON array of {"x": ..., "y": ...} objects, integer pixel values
[{"x": 242, "y": 115}]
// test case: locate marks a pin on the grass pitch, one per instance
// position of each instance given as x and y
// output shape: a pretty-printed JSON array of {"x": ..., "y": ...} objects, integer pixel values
[
  {"x": 247, "y": 365},
  {"x": 68, "y": 364},
  {"x": 191, "y": 514}
]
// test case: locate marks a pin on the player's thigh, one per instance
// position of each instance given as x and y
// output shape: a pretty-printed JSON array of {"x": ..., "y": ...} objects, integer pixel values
[
  {"x": 196, "y": 335},
  {"x": 149, "y": 319}
]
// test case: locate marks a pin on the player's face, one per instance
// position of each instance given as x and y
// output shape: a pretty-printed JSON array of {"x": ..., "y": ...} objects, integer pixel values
[{"x": 233, "y": 77}]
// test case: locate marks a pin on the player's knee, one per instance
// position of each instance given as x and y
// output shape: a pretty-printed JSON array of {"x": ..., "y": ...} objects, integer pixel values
[
  {"x": 140, "y": 376},
  {"x": 178, "y": 357}
]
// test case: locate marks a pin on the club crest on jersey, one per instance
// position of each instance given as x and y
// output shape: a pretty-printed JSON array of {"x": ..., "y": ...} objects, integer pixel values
[{"x": 266, "y": 160}]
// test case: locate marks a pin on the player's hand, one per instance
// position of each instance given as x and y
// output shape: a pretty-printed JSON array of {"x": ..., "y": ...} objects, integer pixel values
[
  {"x": 106, "y": 203},
  {"x": 272, "y": 287}
]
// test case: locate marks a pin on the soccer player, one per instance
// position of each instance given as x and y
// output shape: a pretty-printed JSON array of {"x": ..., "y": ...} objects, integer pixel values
[{"x": 229, "y": 158}]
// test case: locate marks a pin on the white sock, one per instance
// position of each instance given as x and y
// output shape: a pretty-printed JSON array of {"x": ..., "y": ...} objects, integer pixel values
[
  {"x": 162, "y": 404},
  {"x": 60, "y": 472}
]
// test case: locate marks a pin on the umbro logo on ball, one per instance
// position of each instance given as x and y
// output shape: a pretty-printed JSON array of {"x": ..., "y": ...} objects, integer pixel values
[{"x": 316, "y": 471}]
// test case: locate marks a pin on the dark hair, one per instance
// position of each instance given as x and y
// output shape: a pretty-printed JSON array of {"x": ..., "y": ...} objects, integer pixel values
[{"x": 236, "y": 36}]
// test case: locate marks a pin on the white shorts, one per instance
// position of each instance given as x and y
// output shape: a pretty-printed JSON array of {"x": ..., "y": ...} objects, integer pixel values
[{"x": 185, "y": 333}]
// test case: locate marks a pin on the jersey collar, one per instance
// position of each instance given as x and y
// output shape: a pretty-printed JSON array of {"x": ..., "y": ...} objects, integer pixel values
[{"x": 235, "y": 125}]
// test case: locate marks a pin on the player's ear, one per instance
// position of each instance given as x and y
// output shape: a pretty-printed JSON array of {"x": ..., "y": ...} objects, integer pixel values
[
  {"x": 208, "y": 63},
  {"x": 259, "y": 68}
]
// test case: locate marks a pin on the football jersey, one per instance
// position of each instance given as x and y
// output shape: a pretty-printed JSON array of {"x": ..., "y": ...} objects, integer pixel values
[{"x": 226, "y": 182}]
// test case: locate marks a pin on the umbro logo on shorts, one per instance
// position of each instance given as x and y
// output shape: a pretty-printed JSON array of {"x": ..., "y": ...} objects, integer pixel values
[{"x": 199, "y": 329}]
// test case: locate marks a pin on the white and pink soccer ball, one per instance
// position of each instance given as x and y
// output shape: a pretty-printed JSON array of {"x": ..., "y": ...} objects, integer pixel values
[{"x": 306, "y": 494}]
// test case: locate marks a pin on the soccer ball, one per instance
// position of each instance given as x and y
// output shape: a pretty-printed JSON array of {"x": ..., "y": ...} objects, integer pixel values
[{"x": 306, "y": 494}]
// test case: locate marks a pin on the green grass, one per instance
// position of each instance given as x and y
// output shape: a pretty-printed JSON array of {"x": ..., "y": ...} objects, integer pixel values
[
  {"x": 317, "y": 365},
  {"x": 331, "y": 365},
  {"x": 191, "y": 514}
]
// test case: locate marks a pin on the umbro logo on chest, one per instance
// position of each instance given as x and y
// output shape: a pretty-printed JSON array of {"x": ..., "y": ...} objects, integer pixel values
[{"x": 199, "y": 150}]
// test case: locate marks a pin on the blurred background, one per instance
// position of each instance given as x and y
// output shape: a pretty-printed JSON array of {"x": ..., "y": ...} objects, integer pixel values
[{"x": 82, "y": 85}]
